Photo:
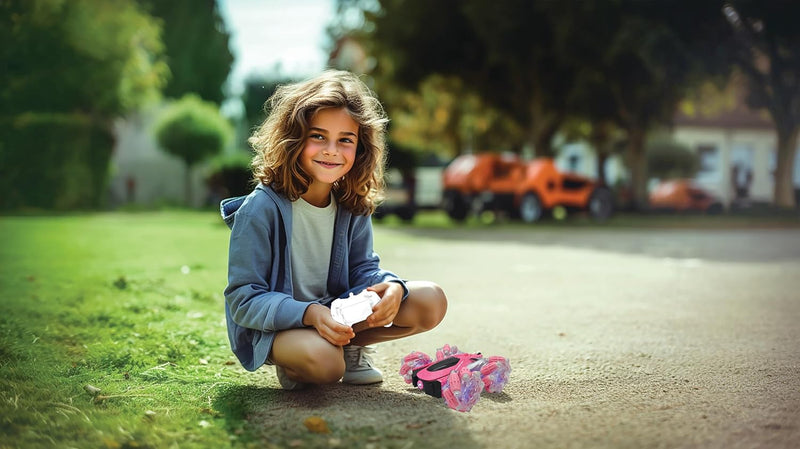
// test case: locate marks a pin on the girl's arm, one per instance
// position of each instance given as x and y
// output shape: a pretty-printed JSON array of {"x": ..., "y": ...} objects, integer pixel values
[{"x": 250, "y": 298}]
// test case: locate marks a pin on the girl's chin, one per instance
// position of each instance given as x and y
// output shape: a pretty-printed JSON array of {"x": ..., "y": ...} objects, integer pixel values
[{"x": 325, "y": 180}]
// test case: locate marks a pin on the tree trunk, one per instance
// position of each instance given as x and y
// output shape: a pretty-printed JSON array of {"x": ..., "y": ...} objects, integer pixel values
[
  {"x": 187, "y": 185},
  {"x": 601, "y": 168},
  {"x": 637, "y": 164},
  {"x": 600, "y": 138},
  {"x": 542, "y": 129},
  {"x": 784, "y": 168}
]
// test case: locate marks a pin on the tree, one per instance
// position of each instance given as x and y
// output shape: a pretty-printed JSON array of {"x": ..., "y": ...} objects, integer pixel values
[
  {"x": 767, "y": 49},
  {"x": 69, "y": 69},
  {"x": 197, "y": 47},
  {"x": 636, "y": 62},
  {"x": 503, "y": 49},
  {"x": 97, "y": 57},
  {"x": 667, "y": 159},
  {"x": 257, "y": 91},
  {"x": 193, "y": 130},
  {"x": 446, "y": 117}
]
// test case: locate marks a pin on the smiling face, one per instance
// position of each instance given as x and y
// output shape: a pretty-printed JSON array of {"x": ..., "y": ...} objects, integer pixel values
[{"x": 329, "y": 152}]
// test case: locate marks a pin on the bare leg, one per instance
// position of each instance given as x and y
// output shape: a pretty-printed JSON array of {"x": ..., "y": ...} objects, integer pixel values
[
  {"x": 307, "y": 357},
  {"x": 422, "y": 310}
]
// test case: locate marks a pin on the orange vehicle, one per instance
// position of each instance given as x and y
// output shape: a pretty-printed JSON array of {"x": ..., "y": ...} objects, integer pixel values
[
  {"x": 681, "y": 195},
  {"x": 524, "y": 189}
]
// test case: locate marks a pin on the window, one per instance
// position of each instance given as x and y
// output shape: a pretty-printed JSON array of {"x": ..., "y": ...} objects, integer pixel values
[{"x": 708, "y": 156}]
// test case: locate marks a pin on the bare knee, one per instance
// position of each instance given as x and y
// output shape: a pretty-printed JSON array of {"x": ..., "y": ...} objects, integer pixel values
[
  {"x": 323, "y": 365},
  {"x": 432, "y": 303},
  {"x": 311, "y": 360}
]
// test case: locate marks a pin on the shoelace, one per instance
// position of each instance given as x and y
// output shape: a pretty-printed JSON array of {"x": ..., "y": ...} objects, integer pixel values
[{"x": 359, "y": 357}]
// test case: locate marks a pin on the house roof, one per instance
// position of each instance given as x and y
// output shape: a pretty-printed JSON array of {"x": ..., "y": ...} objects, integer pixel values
[{"x": 738, "y": 118}]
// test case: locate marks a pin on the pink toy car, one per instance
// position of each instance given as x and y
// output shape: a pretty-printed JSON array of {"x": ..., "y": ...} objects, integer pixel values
[{"x": 456, "y": 376}]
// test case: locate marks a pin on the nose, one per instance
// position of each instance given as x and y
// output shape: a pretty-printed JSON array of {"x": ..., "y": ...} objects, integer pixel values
[{"x": 330, "y": 149}]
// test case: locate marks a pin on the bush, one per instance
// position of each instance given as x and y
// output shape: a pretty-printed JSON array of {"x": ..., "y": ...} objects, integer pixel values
[
  {"x": 193, "y": 130},
  {"x": 53, "y": 161},
  {"x": 667, "y": 159},
  {"x": 231, "y": 175}
]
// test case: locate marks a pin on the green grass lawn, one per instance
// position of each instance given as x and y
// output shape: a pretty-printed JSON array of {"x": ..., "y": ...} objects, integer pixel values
[
  {"x": 130, "y": 304},
  {"x": 112, "y": 330}
]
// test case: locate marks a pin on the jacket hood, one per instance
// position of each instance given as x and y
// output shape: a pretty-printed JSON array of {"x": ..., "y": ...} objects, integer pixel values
[{"x": 228, "y": 208}]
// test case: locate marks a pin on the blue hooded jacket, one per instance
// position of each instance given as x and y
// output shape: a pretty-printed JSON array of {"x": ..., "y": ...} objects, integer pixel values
[{"x": 258, "y": 298}]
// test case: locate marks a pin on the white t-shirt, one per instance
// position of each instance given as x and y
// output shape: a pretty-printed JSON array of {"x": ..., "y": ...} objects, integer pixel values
[{"x": 312, "y": 240}]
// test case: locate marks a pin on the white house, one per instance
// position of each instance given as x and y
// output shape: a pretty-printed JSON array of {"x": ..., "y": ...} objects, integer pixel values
[
  {"x": 737, "y": 151},
  {"x": 142, "y": 173},
  {"x": 736, "y": 147}
]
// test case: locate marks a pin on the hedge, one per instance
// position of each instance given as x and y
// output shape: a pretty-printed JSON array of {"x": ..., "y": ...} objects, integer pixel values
[{"x": 53, "y": 161}]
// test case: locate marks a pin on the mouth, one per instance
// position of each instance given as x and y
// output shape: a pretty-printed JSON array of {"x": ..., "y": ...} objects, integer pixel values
[{"x": 326, "y": 164}]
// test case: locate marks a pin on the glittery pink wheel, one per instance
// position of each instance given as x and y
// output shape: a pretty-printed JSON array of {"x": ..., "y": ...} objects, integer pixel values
[
  {"x": 446, "y": 351},
  {"x": 494, "y": 373},
  {"x": 412, "y": 362},
  {"x": 462, "y": 389}
]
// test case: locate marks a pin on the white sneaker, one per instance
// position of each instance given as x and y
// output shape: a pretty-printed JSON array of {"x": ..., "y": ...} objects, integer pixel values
[
  {"x": 358, "y": 366},
  {"x": 286, "y": 383}
]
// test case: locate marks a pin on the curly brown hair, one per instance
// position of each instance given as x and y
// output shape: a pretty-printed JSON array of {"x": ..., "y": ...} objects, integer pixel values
[{"x": 279, "y": 141}]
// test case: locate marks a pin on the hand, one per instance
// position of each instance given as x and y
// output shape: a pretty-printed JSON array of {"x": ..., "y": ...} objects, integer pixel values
[
  {"x": 383, "y": 312},
  {"x": 320, "y": 318}
]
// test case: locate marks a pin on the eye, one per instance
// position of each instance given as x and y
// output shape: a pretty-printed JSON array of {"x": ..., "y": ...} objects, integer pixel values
[
  {"x": 346, "y": 140},
  {"x": 316, "y": 136}
]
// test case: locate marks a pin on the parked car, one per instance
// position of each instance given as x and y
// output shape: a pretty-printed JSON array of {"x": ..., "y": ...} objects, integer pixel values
[
  {"x": 683, "y": 195},
  {"x": 524, "y": 189},
  {"x": 399, "y": 198}
]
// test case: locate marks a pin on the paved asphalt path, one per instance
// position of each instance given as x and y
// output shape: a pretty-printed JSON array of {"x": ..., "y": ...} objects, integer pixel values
[{"x": 617, "y": 339}]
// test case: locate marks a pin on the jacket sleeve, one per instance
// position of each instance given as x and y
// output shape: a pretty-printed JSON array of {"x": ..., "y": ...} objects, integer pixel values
[
  {"x": 365, "y": 267},
  {"x": 251, "y": 301}
]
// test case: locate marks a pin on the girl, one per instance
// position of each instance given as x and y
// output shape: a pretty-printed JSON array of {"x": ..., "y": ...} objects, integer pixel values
[{"x": 303, "y": 238}]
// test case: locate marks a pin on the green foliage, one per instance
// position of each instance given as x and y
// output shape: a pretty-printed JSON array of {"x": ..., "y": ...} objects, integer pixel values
[
  {"x": 197, "y": 47},
  {"x": 627, "y": 62},
  {"x": 257, "y": 91},
  {"x": 231, "y": 175},
  {"x": 503, "y": 50},
  {"x": 445, "y": 116},
  {"x": 53, "y": 161},
  {"x": 69, "y": 68},
  {"x": 192, "y": 129},
  {"x": 667, "y": 159},
  {"x": 98, "y": 57}
]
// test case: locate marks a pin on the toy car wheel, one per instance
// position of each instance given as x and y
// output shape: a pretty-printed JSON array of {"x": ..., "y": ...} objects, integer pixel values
[
  {"x": 411, "y": 363},
  {"x": 462, "y": 389},
  {"x": 446, "y": 351},
  {"x": 601, "y": 204},
  {"x": 530, "y": 208},
  {"x": 494, "y": 374}
]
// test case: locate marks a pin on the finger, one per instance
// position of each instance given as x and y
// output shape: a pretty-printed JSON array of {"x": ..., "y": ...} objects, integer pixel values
[
  {"x": 378, "y": 319},
  {"x": 379, "y": 288},
  {"x": 338, "y": 327}
]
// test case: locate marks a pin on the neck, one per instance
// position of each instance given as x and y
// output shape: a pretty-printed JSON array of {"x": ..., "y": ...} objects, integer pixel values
[{"x": 318, "y": 195}]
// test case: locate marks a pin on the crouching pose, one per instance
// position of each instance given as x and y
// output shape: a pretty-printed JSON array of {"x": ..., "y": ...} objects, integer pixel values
[{"x": 303, "y": 238}]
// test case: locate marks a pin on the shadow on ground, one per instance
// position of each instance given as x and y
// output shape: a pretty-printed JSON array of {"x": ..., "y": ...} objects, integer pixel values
[{"x": 390, "y": 414}]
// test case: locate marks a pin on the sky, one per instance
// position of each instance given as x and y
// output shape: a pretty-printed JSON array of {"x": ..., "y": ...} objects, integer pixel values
[{"x": 266, "y": 33}]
